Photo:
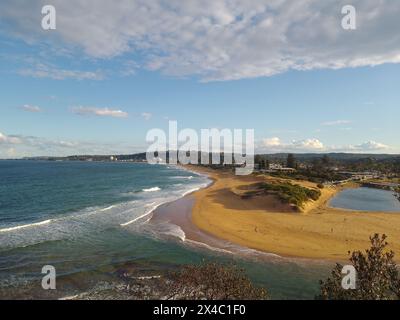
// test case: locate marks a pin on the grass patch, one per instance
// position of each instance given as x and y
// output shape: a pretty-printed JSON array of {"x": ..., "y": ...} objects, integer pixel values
[{"x": 290, "y": 193}]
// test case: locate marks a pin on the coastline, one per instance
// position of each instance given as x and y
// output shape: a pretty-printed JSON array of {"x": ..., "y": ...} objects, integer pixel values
[{"x": 318, "y": 232}]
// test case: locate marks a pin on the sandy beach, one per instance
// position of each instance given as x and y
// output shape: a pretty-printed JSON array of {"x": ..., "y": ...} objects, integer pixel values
[{"x": 265, "y": 224}]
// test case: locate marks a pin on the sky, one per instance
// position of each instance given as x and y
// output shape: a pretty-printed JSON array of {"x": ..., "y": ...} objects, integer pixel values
[{"x": 111, "y": 71}]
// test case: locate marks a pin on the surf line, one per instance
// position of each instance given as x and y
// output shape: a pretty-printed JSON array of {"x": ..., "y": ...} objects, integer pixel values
[
  {"x": 142, "y": 216},
  {"x": 26, "y": 226},
  {"x": 134, "y": 220}
]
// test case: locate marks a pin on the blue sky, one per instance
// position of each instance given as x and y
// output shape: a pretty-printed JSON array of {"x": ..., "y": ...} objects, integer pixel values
[{"x": 64, "y": 95}]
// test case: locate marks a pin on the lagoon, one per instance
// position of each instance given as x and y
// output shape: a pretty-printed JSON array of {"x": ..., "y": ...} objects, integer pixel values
[{"x": 366, "y": 199}]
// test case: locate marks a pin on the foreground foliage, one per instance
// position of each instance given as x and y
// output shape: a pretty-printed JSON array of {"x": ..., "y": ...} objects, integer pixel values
[
  {"x": 377, "y": 275},
  {"x": 212, "y": 281}
]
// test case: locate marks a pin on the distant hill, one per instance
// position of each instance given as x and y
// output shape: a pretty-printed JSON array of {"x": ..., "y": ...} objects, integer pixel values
[
  {"x": 332, "y": 156},
  {"x": 138, "y": 157},
  {"x": 302, "y": 157}
]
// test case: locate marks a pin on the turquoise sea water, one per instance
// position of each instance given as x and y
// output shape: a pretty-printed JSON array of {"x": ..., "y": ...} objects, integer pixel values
[
  {"x": 88, "y": 219},
  {"x": 366, "y": 199}
]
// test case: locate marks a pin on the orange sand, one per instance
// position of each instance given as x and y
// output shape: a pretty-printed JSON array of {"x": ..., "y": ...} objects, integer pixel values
[{"x": 263, "y": 223}]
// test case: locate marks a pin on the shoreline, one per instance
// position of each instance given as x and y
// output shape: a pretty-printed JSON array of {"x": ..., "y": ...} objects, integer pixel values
[
  {"x": 179, "y": 213},
  {"x": 317, "y": 233}
]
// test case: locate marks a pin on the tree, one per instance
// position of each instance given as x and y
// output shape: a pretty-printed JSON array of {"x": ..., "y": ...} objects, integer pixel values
[
  {"x": 317, "y": 165},
  {"x": 326, "y": 160},
  {"x": 258, "y": 159},
  {"x": 377, "y": 275},
  {"x": 291, "y": 161},
  {"x": 212, "y": 281},
  {"x": 266, "y": 164}
]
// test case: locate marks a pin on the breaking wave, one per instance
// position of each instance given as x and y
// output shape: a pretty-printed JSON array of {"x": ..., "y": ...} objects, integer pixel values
[
  {"x": 26, "y": 226},
  {"x": 154, "y": 189},
  {"x": 129, "y": 215}
]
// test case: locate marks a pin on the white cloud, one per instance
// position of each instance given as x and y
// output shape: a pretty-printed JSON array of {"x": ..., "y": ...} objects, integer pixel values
[
  {"x": 146, "y": 116},
  {"x": 16, "y": 146},
  {"x": 103, "y": 112},
  {"x": 273, "y": 145},
  {"x": 21, "y": 146},
  {"x": 4, "y": 139},
  {"x": 129, "y": 68},
  {"x": 308, "y": 144},
  {"x": 30, "y": 108},
  {"x": 217, "y": 40},
  {"x": 336, "y": 122},
  {"x": 276, "y": 145},
  {"x": 272, "y": 142},
  {"x": 44, "y": 71},
  {"x": 11, "y": 152},
  {"x": 371, "y": 145}
]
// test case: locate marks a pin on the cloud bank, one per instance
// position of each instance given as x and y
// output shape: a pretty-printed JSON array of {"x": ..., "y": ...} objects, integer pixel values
[
  {"x": 12, "y": 146},
  {"x": 9, "y": 140},
  {"x": 214, "y": 40},
  {"x": 41, "y": 70},
  {"x": 17, "y": 146},
  {"x": 276, "y": 145}
]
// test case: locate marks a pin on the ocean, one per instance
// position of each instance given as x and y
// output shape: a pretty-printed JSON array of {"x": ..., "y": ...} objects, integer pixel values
[{"x": 90, "y": 220}]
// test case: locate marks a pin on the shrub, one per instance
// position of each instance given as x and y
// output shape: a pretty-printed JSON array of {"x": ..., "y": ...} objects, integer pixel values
[
  {"x": 377, "y": 275},
  {"x": 212, "y": 281},
  {"x": 290, "y": 193}
]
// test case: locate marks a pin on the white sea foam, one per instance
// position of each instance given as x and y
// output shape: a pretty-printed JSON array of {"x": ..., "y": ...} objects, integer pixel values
[
  {"x": 154, "y": 189},
  {"x": 190, "y": 191},
  {"x": 183, "y": 177},
  {"x": 153, "y": 206},
  {"x": 26, "y": 226},
  {"x": 175, "y": 231},
  {"x": 134, "y": 220},
  {"x": 138, "y": 212},
  {"x": 202, "y": 244},
  {"x": 108, "y": 208}
]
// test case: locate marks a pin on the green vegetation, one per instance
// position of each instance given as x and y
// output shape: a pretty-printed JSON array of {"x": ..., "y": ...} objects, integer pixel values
[
  {"x": 310, "y": 175},
  {"x": 391, "y": 165},
  {"x": 291, "y": 193},
  {"x": 262, "y": 162},
  {"x": 291, "y": 161},
  {"x": 324, "y": 168},
  {"x": 212, "y": 281},
  {"x": 205, "y": 281},
  {"x": 377, "y": 276}
]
